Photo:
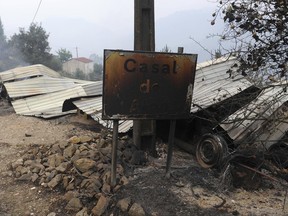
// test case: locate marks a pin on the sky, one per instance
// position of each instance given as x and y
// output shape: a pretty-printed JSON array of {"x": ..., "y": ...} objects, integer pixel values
[{"x": 90, "y": 26}]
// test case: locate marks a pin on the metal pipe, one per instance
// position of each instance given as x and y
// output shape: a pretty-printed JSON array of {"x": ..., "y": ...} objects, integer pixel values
[
  {"x": 170, "y": 147},
  {"x": 171, "y": 137},
  {"x": 114, "y": 152}
]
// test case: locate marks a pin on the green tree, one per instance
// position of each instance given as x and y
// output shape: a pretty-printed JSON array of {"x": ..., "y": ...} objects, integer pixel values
[
  {"x": 79, "y": 74},
  {"x": 96, "y": 58},
  {"x": 9, "y": 57},
  {"x": 3, "y": 41},
  {"x": 3, "y": 47},
  {"x": 98, "y": 71},
  {"x": 33, "y": 44},
  {"x": 97, "y": 68},
  {"x": 55, "y": 63},
  {"x": 64, "y": 55}
]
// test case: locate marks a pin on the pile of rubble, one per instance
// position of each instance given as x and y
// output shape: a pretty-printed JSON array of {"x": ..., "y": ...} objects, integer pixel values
[{"x": 81, "y": 168}]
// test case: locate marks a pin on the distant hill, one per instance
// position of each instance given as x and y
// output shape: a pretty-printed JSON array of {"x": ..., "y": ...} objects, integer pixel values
[{"x": 174, "y": 31}]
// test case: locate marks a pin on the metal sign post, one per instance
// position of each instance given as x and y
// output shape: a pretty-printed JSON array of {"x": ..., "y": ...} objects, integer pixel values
[
  {"x": 114, "y": 152},
  {"x": 171, "y": 138},
  {"x": 144, "y": 85},
  {"x": 170, "y": 147},
  {"x": 141, "y": 85}
]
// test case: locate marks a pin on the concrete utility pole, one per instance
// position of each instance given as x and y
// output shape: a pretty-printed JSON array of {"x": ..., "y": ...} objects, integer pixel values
[
  {"x": 144, "y": 40},
  {"x": 76, "y": 52},
  {"x": 144, "y": 29}
]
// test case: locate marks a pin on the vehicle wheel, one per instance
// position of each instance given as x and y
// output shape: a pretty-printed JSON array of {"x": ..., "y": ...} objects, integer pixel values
[
  {"x": 210, "y": 150},
  {"x": 279, "y": 154}
]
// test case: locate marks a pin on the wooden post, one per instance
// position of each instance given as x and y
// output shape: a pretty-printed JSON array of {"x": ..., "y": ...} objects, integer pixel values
[{"x": 144, "y": 40}]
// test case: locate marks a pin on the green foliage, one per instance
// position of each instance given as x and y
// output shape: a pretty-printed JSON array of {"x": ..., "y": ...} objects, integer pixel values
[
  {"x": 64, "y": 55},
  {"x": 55, "y": 63},
  {"x": 93, "y": 76},
  {"x": 97, "y": 72},
  {"x": 97, "y": 68},
  {"x": 3, "y": 41},
  {"x": 9, "y": 57},
  {"x": 96, "y": 58},
  {"x": 33, "y": 45},
  {"x": 79, "y": 74},
  {"x": 66, "y": 74},
  {"x": 259, "y": 30}
]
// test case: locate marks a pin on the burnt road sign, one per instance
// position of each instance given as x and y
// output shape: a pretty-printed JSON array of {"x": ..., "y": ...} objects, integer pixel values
[{"x": 147, "y": 85}]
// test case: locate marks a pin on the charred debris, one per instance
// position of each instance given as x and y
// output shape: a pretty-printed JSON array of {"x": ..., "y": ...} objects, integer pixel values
[
  {"x": 233, "y": 123},
  {"x": 245, "y": 134}
]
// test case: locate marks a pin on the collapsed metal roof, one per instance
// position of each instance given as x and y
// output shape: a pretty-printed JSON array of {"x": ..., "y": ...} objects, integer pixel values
[
  {"x": 27, "y": 72},
  {"x": 213, "y": 83},
  {"x": 44, "y": 95},
  {"x": 93, "y": 107},
  {"x": 264, "y": 120},
  {"x": 37, "y": 86}
]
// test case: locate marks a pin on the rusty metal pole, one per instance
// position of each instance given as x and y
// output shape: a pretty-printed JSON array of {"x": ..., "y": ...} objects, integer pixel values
[
  {"x": 144, "y": 40},
  {"x": 114, "y": 152},
  {"x": 171, "y": 137},
  {"x": 170, "y": 147}
]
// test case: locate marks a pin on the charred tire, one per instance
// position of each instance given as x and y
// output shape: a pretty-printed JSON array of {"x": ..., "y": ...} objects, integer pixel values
[
  {"x": 279, "y": 155},
  {"x": 210, "y": 150}
]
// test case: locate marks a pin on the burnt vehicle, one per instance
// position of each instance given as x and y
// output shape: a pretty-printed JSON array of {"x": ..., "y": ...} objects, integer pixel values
[{"x": 257, "y": 128}]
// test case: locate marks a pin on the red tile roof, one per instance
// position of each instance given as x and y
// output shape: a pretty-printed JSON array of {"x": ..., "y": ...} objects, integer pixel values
[{"x": 83, "y": 59}]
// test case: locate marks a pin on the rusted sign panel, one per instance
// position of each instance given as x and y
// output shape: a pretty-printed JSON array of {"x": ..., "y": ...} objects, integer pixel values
[{"x": 147, "y": 85}]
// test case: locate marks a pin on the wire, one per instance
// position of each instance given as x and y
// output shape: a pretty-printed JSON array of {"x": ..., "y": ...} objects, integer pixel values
[{"x": 36, "y": 11}]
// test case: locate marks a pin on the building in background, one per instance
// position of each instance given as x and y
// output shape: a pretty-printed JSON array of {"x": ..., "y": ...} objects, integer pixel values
[{"x": 82, "y": 64}]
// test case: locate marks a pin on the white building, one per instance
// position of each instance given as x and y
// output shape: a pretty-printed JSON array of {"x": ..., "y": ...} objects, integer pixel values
[{"x": 83, "y": 64}]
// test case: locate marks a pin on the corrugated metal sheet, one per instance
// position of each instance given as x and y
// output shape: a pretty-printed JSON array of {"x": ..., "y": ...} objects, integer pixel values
[
  {"x": 43, "y": 91},
  {"x": 77, "y": 81},
  {"x": 26, "y": 72},
  {"x": 37, "y": 85},
  {"x": 38, "y": 104},
  {"x": 213, "y": 84},
  {"x": 124, "y": 126},
  {"x": 93, "y": 107},
  {"x": 275, "y": 128},
  {"x": 93, "y": 88},
  {"x": 265, "y": 118},
  {"x": 89, "y": 105},
  {"x": 28, "y": 106},
  {"x": 50, "y": 113}
]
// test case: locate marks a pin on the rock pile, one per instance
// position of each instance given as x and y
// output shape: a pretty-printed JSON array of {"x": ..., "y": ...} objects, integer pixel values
[{"x": 81, "y": 167}]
